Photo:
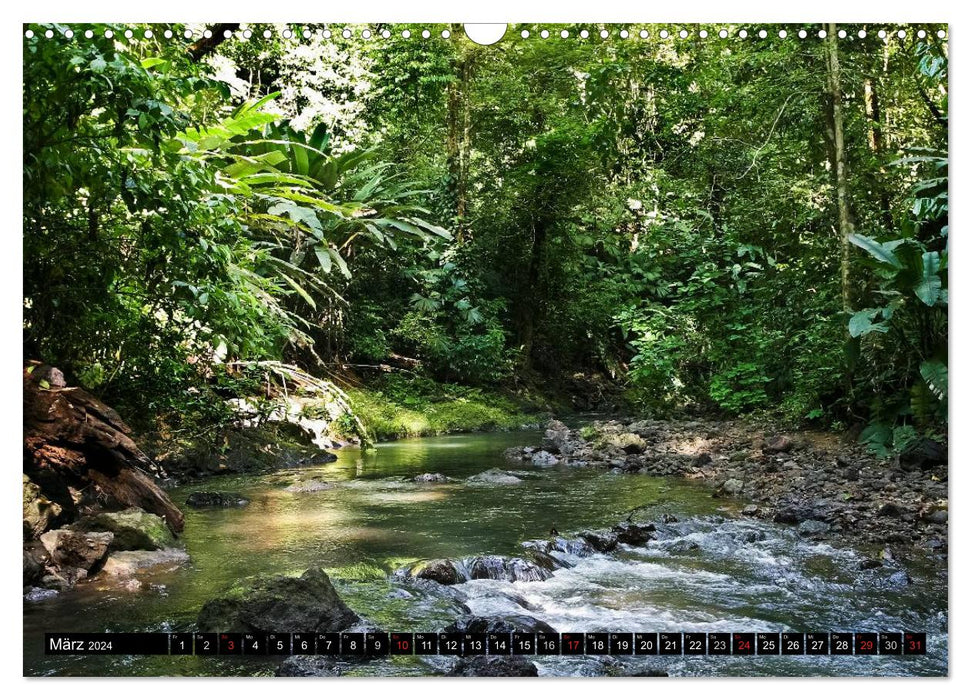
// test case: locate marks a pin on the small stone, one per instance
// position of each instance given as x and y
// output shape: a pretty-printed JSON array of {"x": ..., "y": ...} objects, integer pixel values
[
  {"x": 777, "y": 444},
  {"x": 811, "y": 528},
  {"x": 750, "y": 510}
]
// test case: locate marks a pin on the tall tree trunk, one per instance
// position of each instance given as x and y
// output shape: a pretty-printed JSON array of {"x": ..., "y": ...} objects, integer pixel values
[
  {"x": 457, "y": 134},
  {"x": 871, "y": 100},
  {"x": 839, "y": 164}
]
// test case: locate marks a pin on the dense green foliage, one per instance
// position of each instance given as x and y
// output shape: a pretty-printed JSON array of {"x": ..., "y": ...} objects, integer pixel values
[{"x": 662, "y": 212}]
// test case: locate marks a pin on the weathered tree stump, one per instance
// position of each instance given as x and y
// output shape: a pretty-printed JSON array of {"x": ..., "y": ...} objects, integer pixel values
[{"x": 78, "y": 451}]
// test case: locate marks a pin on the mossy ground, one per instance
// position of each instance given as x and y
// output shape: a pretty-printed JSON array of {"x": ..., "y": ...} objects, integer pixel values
[{"x": 396, "y": 408}]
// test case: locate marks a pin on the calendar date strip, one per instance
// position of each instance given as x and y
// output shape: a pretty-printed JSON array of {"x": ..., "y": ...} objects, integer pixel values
[{"x": 371, "y": 644}]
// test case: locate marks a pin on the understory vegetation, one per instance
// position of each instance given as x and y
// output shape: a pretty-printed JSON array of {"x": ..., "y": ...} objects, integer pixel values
[{"x": 446, "y": 230}]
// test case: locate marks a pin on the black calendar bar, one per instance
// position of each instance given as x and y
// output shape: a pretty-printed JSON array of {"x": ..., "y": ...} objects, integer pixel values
[{"x": 372, "y": 644}]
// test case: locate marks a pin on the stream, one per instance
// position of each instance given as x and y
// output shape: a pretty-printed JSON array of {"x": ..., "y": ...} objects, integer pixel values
[{"x": 711, "y": 570}]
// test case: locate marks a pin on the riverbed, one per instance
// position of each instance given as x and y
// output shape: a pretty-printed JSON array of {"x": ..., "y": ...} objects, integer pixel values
[{"x": 708, "y": 570}]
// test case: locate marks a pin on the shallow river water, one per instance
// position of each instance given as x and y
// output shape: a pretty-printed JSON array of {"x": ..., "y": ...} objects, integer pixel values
[{"x": 709, "y": 571}]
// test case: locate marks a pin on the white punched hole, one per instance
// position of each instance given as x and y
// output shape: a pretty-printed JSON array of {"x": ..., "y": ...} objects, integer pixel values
[
  {"x": 446, "y": 34},
  {"x": 545, "y": 34},
  {"x": 88, "y": 34},
  {"x": 742, "y": 34},
  {"x": 29, "y": 34},
  {"x": 783, "y": 33},
  {"x": 703, "y": 33},
  {"x": 604, "y": 33},
  {"x": 921, "y": 33},
  {"x": 822, "y": 33},
  {"x": 425, "y": 34},
  {"x": 901, "y": 34},
  {"x": 642, "y": 34},
  {"x": 207, "y": 34},
  {"x": 723, "y": 33},
  {"x": 584, "y": 34},
  {"x": 128, "y": 34},
  {"x": 287, "y": 34},
  {"x": 49, "y": 34},
  {"x": 683, "y": 34},
  {"x": 564, "y": 34},
  {"x": 803, "y": 33},
  {"x": 524, "y": 34},
  {"x": 187, "y": 34},
  {"x": 486, "y": 34},
  {"x": 109, "y": 33},
  {"x": 267, "y": 33},
  {"x": 882, "y": 34},
  {"x": 405, "y": 34},
  {"x": 385, "y": 34},
  {"x": 941, "y": 34},
  {"x": 861, "y": 33},
  {"x": 663, "y": 34},
  {"x": 841, "y": 33},
  {"x": 366, "y": 34},
  {"x": 69, "y": 34},
  {"x": 307, "y": 34},
  {"x": 347, "y": 34},
  {"x": 247, "y": 33}
]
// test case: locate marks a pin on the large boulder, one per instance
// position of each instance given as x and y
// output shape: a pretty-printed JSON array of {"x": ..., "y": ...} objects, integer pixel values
[
  {"x": 132, "y": 529},
  {"x": 494, "y": 666},
  {"x": 308, "y": 603},
  {"x": 441, "y": 571},
  {"x": 76, "y": 550},
  {"x": 491, "y": 566}
]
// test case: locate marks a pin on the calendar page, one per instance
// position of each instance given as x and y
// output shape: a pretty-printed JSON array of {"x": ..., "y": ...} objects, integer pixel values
[{"x": 457, "y": 350}]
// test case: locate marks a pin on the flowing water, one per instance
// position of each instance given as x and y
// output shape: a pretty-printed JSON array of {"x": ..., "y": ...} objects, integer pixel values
[{"x": 709, "y": 571}]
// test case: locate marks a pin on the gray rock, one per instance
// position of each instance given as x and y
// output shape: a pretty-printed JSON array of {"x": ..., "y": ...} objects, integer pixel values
[
  {"x": 131, "y": 562},
  {"x": 77, "y": 550},
  {"x": 494, "y": 666},
  {"x": 731, "y": 487},
  {"x": 441, "y": 571},
  {"x": 777, "y": 444},
  {"x": 938, "y": 516},
  {"x": 813, "y": 528},
  {"x": 35, "y": 594},
  {"x": 544, "y": 459},
  {"x": 601, "y": 540},
  {"x": 477, "y": 624},
  {"x": 634, "y": 533},
  {"x": 495, "y": 476},
  {"x": 429, "y": 478},
  {"x": 308, "y": 603},
  {"x": 750, "y": 510},
  {"x": 132, "y": 529}
]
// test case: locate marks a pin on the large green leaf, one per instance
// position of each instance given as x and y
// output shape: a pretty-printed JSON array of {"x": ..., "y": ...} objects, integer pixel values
[
  {"x": 928, "y": 290},
  {"x": 882, "y": 252},
  {"x": 861, "y": 323},
  {"x": 934, "y": 373}
]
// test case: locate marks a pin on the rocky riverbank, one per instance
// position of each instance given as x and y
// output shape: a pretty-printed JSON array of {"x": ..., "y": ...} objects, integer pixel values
[{"x": 817, "y": 482}]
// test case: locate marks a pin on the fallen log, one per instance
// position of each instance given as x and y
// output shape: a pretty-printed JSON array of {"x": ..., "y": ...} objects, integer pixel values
[{"x": 78, "y": 451}]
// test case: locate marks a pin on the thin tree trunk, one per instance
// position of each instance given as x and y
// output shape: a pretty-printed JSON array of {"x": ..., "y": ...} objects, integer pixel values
[
  {"x": 871, "y": 100},
  {"x": 458, "y": 136},
  {"x": 839, "y": 165}
]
